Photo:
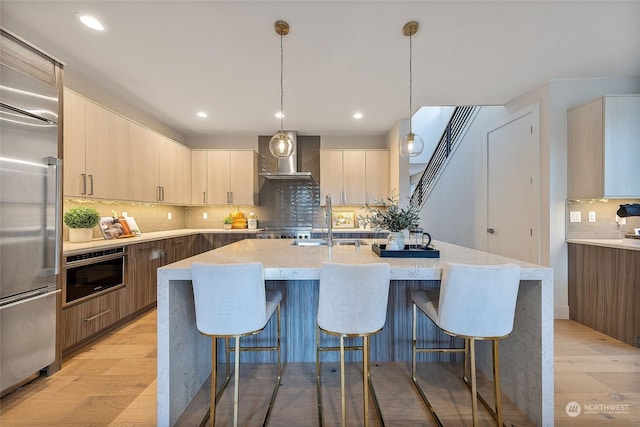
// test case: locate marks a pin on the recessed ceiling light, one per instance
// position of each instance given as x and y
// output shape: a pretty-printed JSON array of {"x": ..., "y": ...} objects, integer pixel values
[
  {"x": 357, "y": 116},
  {"x": 279, "y": 115},
  {"x": 90, "y": 21},
  {"x": 202, "y": 114}
]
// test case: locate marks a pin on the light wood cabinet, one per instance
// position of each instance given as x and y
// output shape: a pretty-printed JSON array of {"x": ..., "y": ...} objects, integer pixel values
[
  {"x": 74, "y": 176},
  {"x": 96, "y": 150},
  {"x": 354, "y": 177},
  {"x": 221, "y": 177},
  {"x": 377, "y": 175},
  {"x": 161, "y": 171},
  {"x": 603, "y": 148},
  {"x": 174, "y": 171},
  {"x": 144, "y": 171},
  {"x": 198, "y": 177}
]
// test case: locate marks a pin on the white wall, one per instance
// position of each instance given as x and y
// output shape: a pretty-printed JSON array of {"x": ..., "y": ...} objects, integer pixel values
[
  {"x": 456, "y": 208},
  {"x": 399, "y": 180}
]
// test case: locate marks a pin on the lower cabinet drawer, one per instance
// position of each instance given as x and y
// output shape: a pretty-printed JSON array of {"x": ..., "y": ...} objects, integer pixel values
[{"x": 85, "y": 319}]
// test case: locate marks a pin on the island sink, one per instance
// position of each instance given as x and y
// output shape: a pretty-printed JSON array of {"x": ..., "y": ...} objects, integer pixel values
[{"x": 322, "y": 242}]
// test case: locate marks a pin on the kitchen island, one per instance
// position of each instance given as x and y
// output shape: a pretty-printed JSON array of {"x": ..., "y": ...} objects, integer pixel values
[{"x": 184, "y": 359}]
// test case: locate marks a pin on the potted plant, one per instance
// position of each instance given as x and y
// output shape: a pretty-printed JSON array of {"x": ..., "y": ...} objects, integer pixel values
[
  {"x": 227, "y": 223},
  {"x": 389, "y": 216},
  {"x": 80, "y": 221}
]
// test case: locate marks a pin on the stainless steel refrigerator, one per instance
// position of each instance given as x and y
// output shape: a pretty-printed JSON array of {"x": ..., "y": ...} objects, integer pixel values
[{"x": 29, "y": 221}]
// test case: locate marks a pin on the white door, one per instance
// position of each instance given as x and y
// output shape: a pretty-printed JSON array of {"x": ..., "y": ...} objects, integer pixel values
[{"x": 513, "y": 199}]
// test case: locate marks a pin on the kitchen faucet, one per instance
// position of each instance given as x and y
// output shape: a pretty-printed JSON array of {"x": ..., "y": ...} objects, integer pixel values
[{"x": 329, "y": 218}]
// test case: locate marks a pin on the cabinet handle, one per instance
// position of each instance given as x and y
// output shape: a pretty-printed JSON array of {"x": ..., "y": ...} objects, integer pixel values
[
  {"x": 204, "y": 197},
  {"x": 84, "y": 183},
  {"x": 158, "y": 196},
  {"x": 91, "y": 186},
  {"x": 162, "y": 193},
  {"x": 491, "y": 230},
  {"x": 228, "y": 197},
  {"x": 89, "y": 319}
]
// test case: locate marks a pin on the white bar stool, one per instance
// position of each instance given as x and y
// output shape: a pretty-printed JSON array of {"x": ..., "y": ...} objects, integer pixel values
[
  {"x": 231, "y": 302},
  {"x": 352, "y": 303},
  {"x": 475, "y": 302}
]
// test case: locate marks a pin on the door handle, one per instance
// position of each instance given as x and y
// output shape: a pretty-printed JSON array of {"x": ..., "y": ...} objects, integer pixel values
[
  {"x": 84, "y": 184},
  {"x": 491, "y": 230}
]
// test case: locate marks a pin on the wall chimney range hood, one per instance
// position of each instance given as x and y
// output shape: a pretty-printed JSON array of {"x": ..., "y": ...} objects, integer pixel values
[{"x": 288, "y": 168}]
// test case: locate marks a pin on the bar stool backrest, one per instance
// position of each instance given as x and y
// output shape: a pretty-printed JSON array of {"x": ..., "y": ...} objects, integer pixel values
[
  {"x": 478, "y": 300},
  {"x": 353, "y": 297},
  {"x": 229, "y": 298}
]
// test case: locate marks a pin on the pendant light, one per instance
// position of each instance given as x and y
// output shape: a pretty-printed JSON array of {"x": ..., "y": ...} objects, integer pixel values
[
  {"x": 281, "y": 144},
  {"x": 410, "y": 145}
]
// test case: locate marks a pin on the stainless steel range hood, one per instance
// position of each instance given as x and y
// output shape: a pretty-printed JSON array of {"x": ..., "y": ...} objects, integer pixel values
[{"x": 287, "y": 168}]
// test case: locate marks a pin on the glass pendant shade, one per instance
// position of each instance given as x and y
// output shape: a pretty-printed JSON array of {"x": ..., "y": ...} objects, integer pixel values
[
  {"x": 411, "y": 145},
  {"x": 281, "y": 145}
]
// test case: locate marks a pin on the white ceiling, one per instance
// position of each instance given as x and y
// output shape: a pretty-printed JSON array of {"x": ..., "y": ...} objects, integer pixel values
[{"x": 171, "y": 59}]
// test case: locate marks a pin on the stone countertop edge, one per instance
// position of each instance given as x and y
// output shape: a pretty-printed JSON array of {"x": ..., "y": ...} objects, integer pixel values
[
  {"x": 282, "y": 261},
  {"x": 631, "y": 244},
  {"x": 70, "y": 248}
]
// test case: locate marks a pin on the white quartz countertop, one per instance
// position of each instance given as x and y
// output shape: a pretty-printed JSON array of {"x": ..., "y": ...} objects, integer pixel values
[
  {"x": 72, "y": 248},
  {"x": 632, "y": 244},
  {"x": 283, "y": 261}
]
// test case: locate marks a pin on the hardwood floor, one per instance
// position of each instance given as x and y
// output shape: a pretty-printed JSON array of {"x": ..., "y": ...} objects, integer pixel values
[{"x": 113, "y": 382}]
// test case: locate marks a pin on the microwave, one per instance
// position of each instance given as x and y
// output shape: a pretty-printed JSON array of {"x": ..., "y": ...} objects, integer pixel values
[{"x": 92, "y": 273}]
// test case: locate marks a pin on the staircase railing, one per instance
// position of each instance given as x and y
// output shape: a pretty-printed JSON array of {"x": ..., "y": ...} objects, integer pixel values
[{"x": 450, "y": 137}]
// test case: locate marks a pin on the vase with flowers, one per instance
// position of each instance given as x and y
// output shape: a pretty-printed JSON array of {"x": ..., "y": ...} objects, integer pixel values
[{"x": 388, "y": 215}]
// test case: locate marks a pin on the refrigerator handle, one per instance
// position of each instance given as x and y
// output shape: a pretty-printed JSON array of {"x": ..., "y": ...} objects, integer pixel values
[{"x": 55, "y": 163}]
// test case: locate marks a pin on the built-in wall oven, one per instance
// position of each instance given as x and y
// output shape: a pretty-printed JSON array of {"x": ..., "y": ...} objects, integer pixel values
[{"x": 94, "y": 272}]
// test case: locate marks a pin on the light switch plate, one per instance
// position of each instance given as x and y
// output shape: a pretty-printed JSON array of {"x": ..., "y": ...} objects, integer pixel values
[
  {"x": 205, "y": 215},
  {"x": 169, "y": 216},
  {"x": 575, "y": 216},
  {"x": 592, "y": 216}
]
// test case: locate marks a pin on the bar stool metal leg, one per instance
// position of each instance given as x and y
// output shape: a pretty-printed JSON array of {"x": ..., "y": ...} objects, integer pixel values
[
  {"x": 365, "y": 378},
  {"x": 343, "y": 394},
  {"x": 496, "y": 410},
  {"x": 496, "y": 382}
]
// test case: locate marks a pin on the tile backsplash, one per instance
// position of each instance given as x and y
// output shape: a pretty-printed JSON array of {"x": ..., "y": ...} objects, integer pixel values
[{"x": 605, "y": 225}]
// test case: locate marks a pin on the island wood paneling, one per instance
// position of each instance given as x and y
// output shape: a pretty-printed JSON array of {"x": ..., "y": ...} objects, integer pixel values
[
  {"x": 604, "y": 290},
  {"x": 299, "y": 309}
]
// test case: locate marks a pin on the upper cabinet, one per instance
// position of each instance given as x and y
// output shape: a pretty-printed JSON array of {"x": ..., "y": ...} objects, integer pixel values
[
  {"x": 107, "y": 156},
  {"x": 354, "y": 177},
  {"x": 222, "y": 177},
  {"x": 603, "y": 148},
  {"x": 96, "y": 145},
  {"x": 161, "y": 170}
]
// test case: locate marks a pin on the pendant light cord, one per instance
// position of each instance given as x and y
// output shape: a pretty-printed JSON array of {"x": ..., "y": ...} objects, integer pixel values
[
  {"x": 410, "y": 79},
  {"x": 281, "y": 86}
]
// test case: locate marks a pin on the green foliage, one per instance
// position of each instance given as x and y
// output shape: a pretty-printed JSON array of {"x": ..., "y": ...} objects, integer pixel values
[
  {"x": 389, "y": 216},
  {"x": 228, "y": 220},
  {"x": 81, "y": 217}
]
